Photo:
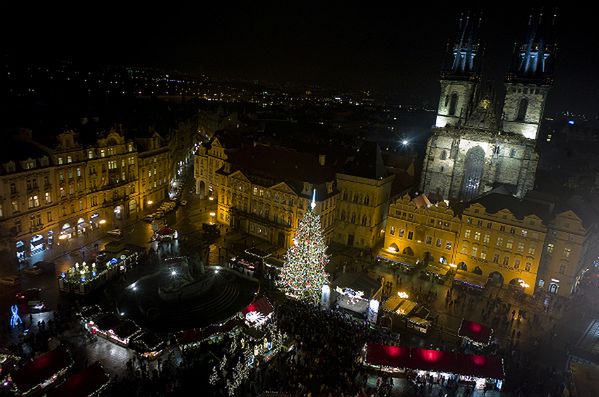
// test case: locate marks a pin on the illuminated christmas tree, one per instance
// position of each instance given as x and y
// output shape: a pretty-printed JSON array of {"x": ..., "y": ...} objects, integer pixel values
[{"x": 303, "y": 273}]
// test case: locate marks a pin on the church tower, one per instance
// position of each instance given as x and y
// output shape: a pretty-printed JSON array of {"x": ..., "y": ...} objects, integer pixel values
[
  {"x": 530, "y": 78},
  {"x": 460, "y": 74}
]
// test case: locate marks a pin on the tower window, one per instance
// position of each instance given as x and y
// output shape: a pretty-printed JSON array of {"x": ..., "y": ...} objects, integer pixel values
[
  {"x": 522, "y": 108},
  {"x": 453, "y": 104},
  {"x": 444, "y": 155}
]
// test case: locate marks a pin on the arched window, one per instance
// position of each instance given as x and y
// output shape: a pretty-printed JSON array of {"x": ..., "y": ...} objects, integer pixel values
[
  {"x": 453, "y": 104},
  {"x": 366, "y": 200},
  {"x": 364, "y": 220},
  {"x": 473, "y": 172},
  {"x": 522, "y": 108},
  {"x": 444, "y": 155}
]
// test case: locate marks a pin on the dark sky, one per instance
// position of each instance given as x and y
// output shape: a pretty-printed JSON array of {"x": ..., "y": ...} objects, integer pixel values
[{"x": 386, "y": 46}]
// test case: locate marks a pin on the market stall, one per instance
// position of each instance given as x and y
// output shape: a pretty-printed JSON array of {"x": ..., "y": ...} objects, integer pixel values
[
  {"x": 42, "y": 372},
  {"x": 148, "y": 345},
  {"x": 354, "y": 291},
  {"x": 258, "y": 313},
  {"x": 475, "y": 333},
  {"x": 472, "y": 281},
  {"x": 437, "y": 272},
  {"x": 391, "y": 261},
  {"x": 84, "y": 278},
  {"x": 88, "y": 382},
  {"x": 193, "y": 338},
  {"x": 112, "y": 327},
  {"x": 467, "y": 368}
]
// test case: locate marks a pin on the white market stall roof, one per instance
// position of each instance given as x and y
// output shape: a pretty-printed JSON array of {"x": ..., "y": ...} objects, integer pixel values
[{"x": 358, "y": 282}]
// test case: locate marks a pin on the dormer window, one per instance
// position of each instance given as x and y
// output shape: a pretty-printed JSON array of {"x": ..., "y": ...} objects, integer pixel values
[{"x": 60, "y": 161}]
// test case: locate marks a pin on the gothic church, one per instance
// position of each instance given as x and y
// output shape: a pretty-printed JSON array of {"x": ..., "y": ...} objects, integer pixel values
[{"x": 473, "y": 147}]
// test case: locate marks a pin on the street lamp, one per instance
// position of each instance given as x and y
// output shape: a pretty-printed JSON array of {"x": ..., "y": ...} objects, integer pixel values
[{"x": 403, "y": 295}]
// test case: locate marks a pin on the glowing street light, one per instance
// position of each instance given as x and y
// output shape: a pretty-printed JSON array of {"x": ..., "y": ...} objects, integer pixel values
[
  {"x": 404, "y": 142},
  {"x": 403, "y": 295}
]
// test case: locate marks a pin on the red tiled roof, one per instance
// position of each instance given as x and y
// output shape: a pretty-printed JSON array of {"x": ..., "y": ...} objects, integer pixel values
[{"x": 280, "y": 164}]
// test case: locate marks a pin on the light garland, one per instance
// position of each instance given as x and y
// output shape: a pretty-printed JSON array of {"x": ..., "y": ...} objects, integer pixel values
[{"x": 303, "y": 273}]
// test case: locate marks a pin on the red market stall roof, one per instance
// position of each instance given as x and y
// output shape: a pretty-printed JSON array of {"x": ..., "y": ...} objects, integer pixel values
[
  {"x": 476, "y": 332},
  {"x": 83, "y": 383},
  {"x": 435, "y": 360},
  {"x": 261, "y": 305},
  {"x": 41, "y": 369}
]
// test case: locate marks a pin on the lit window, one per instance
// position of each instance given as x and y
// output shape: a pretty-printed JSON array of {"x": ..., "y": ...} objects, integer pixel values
[
  {"x": 467, "y": 233},
  {"x": 509, "y": 245},
  {"x": 550, "y": 248},
  {"x": 477, "y": 236},
  {"x": 567, "y": 252}
]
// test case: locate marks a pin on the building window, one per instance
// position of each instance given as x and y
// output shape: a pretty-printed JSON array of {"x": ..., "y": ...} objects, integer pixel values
[
  {"x": 429, "y": 240},
  {"x": 489, "y": 225},
  {"x": 562, "y": 268},
  {"x": 477, "y": 236},
  {"x": 512, "y": 231},
  {"x": 520, "y": 247},
  {"x": 438, "y": 243},
  {"x": 49, "y": 216},
  {"x": 364, "y": 220},
  {"x": 474, "y": 251},
  {"x": 567, "y": 252},
  {"x": 15, "y": 206},
  {"x": 524, "y": 233},
  {"x": 60, "y": 161},
  {"x": 401, "y": 232},
  {"x": 509, "y": 245},
  {"x": 486, "y": 239},
  {"x": 502, "y": 228},
  {"x": 527, "y": 266},
  {"x": 506, "y": 260},
  {"x": 90, "y": 154},
  {"x": 517, "y": 264},
  {"x": 448, "y": 245},
  {"x": 550, "y": 248},
  {"x": 496, "y": 258},
  {"x": 47, "y": 198},
  {"x": 499, "y": 242},
  {"x": 467, "y": 233},
  {"x": 464, "y": 249},
  {"x": 391, "y": 231},
  {"x": 410, "y": 235},
  {"x": 531, "y": 250},
  {"x": 483, "y": 255},
  {"x": 69, "y": 159}
]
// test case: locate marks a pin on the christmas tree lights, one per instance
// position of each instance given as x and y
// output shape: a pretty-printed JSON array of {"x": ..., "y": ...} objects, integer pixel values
[{"x": 303, "y": 273}]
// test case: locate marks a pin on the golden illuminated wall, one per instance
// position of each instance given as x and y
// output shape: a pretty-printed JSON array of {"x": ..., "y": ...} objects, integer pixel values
[
  {"x": 416, "y": 233},
  {"x": 361, "y": 210},
  {"x": 501, "y": 246}
]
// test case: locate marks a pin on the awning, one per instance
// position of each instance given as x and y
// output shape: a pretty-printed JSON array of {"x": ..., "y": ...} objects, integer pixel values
[
  {"x": 476, "y": 332},
  {"x": 471, "y": 279},
  {"x": 83, "y": 383},
  {"x": 490, "y": 367},
  {"x": 436, "y": 268}
]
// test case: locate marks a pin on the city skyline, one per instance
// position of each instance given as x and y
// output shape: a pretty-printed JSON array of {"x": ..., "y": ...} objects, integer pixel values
[{"x": 392, "y": 50}]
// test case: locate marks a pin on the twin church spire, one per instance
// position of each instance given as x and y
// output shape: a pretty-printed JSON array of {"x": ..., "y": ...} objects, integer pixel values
[{"x": 527, "y": 82}]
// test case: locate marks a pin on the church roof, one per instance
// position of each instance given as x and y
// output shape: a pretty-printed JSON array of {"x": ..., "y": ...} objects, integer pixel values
[
  {"x": 367, "y": 163},
  {"x": 496, "y": 200}
]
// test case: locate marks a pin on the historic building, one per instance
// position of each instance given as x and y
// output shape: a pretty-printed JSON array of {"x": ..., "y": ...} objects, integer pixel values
[
  {"x": 264, "y": 191},
  {"x": 473, "y": 147},
  {"x": 365, "y": 188},
  {"x": 570, "y": 248},
  {"x": 62, "y": 189},
  {"x": 419, "y": 230},
  {"x": 154, "y": 168},
  {"x": 520, "y": 243}
]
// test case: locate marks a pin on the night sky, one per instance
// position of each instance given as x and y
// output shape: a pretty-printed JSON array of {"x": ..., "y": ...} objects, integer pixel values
[{"x": 388, "y": 48}]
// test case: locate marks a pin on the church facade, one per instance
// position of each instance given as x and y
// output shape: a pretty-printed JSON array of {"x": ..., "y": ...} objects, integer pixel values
[{"x": 474, "y": 146}]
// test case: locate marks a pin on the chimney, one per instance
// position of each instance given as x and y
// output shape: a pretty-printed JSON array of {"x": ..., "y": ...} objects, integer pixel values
[{"x": 321, "y": 159}]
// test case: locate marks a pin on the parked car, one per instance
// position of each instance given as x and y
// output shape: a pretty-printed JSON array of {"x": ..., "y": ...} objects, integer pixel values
[
  {"x": 115, "y": 232},
  {"x": 9, "y": 280},
  {"x": 33, "y": 270}
]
